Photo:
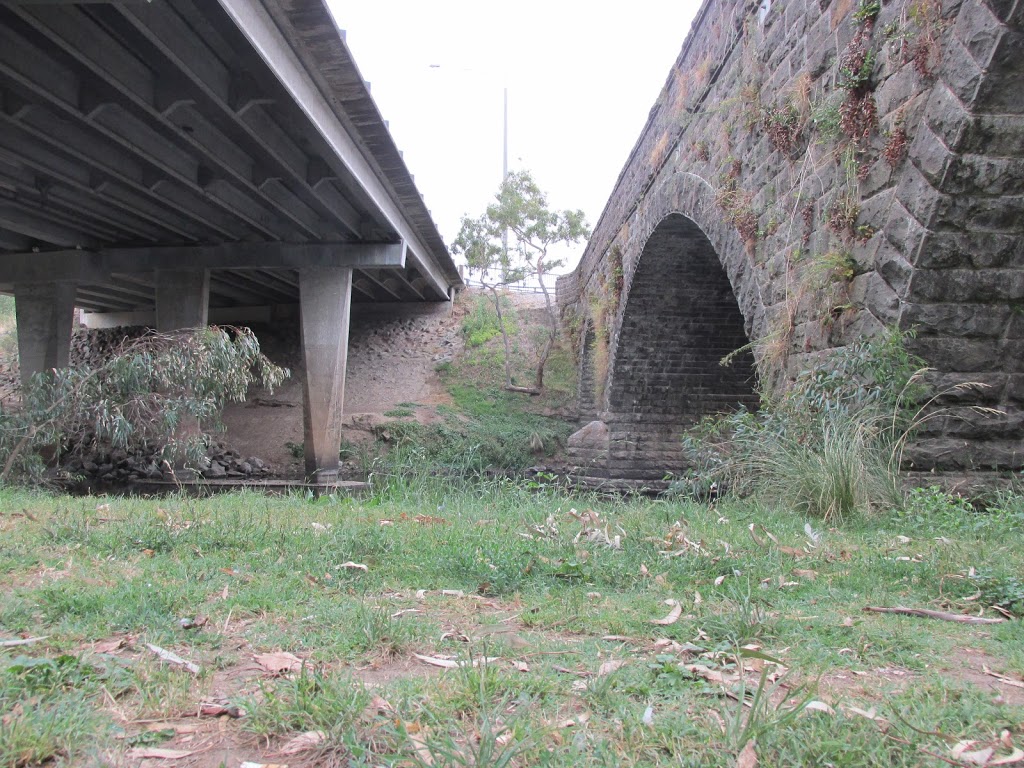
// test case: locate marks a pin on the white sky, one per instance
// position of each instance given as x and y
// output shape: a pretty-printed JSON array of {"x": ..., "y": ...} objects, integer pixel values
[{"x": 581, "y": 78}]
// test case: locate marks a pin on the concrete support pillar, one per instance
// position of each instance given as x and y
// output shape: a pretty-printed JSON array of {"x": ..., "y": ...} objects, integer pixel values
[
  {"x": 182, "y": 299},
  {"x": 325, "y": 302},
  {"x": 45, "y": 314}
]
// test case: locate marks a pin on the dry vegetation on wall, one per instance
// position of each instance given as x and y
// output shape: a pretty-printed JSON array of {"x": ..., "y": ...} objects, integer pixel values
[
  {"x": 603, "y": 308},
  {"x": 827, "y": 132}
]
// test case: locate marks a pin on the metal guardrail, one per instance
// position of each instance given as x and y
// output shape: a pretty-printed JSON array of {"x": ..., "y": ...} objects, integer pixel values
[{"x": 511, "y": 288}]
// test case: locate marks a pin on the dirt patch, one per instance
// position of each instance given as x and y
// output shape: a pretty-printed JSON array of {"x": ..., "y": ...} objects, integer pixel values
[{"x": 973, "y": 669}]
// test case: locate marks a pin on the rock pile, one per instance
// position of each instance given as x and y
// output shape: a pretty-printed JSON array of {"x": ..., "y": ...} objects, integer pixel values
[
  {"x": 93, "y": 346},
  {"x": 118, "y": 467}
]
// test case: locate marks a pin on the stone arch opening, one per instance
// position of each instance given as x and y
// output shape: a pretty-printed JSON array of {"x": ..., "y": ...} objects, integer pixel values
[{"x": 680, "y": 320}]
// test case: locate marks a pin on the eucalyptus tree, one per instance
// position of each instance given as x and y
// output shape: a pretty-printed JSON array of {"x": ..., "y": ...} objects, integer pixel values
[{"x": 511, "y": 242}]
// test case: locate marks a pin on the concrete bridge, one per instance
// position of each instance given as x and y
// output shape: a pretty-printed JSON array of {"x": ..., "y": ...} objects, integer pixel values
[
  {"x": 176, "y": 161},
  {"x": 812, "y": 172}
]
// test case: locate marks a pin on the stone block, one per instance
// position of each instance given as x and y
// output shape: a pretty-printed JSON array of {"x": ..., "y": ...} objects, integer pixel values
[
  {"x": 967, "y": 388},
  {"x": 999, "y": 93},
  {"x": 978, "y": 424},
  {"x": 962, "y": 320},
  {"x": 894, "y": 269},
  {"x": 946, "y": 116},
  {"x": 960, "y": 72},
  {"x": 957, "y": 354},
  {"x": 959, "y": 454},
  {"x": 994, "y": 135},
  {"x": 1015, "y": 388},
  {"x": 979, "y": 30},
  {"x": 981, "y": 213},
  {"x": 967, "y": 285},
  {"x": 874, "y": 294},
  {"x": 930, "y": 156}
]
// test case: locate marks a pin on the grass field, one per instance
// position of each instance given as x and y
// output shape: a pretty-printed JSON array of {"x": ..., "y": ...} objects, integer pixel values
[{"x": 497, "y": 625}]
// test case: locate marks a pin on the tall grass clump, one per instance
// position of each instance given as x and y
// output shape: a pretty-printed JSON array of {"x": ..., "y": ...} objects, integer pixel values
[{"x": 830, "y": 446}]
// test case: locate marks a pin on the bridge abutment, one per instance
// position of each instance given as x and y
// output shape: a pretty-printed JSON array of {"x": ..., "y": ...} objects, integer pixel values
[{"x": 855, "y": 167}]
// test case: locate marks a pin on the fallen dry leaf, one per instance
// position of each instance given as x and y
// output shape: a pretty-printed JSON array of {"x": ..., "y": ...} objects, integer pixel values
[
  {"x": 279, "y": 662},
  {"x": 711, "y": 675},
  {"x": 354, "y": 566},
  {"x": 1016, "y": 757},
  {"x": 173, "y": 659},
  {"x": 719, "y": 580},
  {"x": 747, "y": 757},
  {"x": 521, "y": 666},
  {"x": 109, "y": 646},
  {"x": 197, "y": 623},
  {"x": 870, "y": 714},
  {"x": 453, "y": 593},
  {"x": 156, "y": 753},
  {"x": 673, "y": 615},
  {"x": 303, "y": 742},
  {"x": 805, "y": 573},
  {"x": 434, "y": 661},
  {"x": 451, "y": 663},
  {"x": 404, "y": 611},
  {"x": 609, "y": 666},
  {"x": 416, "y": 736},
  {"x": 962, "y": 751},
  {"x": 430, "y": 520},
  {"x": 819, "y": 706},
  {"x": 380, "y": 704},
  {"x": 220, "y": 710}
]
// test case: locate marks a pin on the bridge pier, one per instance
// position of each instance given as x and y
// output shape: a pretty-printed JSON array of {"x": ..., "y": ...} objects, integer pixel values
[
  {"x": 45, "y": 314},
  {"x": 182, "y": 299},
  {"x": 325, "y": 303}
]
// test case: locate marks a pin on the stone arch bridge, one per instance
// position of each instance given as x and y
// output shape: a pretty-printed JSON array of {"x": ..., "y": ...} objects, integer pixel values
[{"x": 812, "y": 172}]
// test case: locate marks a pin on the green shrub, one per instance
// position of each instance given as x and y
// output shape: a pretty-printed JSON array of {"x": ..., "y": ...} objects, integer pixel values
[
  {"x": 830, "y": 445},
  {"x": 481, "y": 323},
  {"x": 137, "y": 399}
]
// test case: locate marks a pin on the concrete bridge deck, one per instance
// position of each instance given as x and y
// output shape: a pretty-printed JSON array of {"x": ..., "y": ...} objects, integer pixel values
[{"x": 163, "y": 160}]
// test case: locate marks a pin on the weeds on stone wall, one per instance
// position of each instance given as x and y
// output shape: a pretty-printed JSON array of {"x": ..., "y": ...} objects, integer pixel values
[
  {"x": 896, "y": 141},
  {"x": 916, "y": 36},
  {"x": 842, "y": 216}
]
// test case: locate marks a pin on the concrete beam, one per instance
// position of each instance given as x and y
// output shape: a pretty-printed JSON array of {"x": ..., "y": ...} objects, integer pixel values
[
  {"x": 259, "y": 28},
  {"x": 45, "y": 313},
  {"x": 325, "y": 301},
  {"x": 182, "y": 299},
  {"x": 97, "y": 266}
]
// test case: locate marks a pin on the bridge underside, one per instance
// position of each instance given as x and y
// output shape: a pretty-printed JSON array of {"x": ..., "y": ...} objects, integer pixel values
[{"x": 165, "y": 161}]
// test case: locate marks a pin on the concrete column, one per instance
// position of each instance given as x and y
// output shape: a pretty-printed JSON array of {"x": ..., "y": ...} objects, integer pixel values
[
  {"x": 182, "y": 299},
  {"x": 325, "y": 302},
  {"x": 45, "y": 313}
]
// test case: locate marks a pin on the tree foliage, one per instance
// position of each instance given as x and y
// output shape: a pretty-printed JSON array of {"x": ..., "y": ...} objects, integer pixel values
[
  {"x": 140, "y": 398},
  {"x": 511, "y": 242}
]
